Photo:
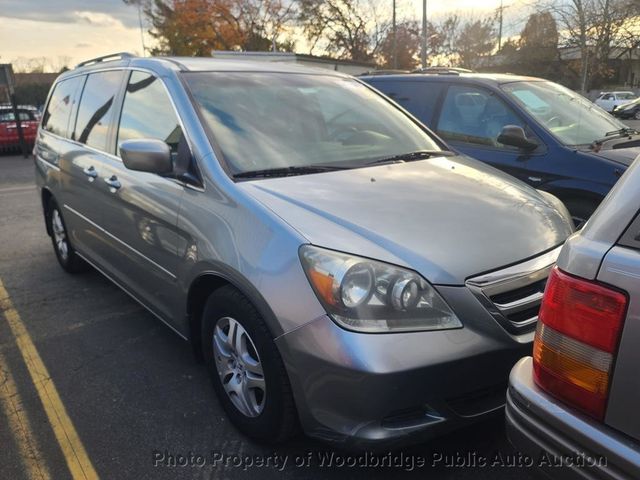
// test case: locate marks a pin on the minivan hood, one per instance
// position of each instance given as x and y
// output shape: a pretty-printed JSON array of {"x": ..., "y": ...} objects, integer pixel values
[{"x": 448, "y": 218}]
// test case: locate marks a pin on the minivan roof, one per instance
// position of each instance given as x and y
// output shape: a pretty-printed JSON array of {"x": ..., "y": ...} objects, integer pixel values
[
  {"x": 194, "y": 64},
  {"x": 486, "y": 78}
]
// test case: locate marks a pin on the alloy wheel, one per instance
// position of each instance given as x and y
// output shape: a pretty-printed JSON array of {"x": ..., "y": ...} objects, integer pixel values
[
  {"x": 59, "y": 234},
  {"x": 239, "y": 367}
]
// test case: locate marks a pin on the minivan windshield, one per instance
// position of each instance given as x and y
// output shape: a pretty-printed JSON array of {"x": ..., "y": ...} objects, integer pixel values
[
  {"x": 284, "y": 122},
  {"x": 570, "y": 117}
]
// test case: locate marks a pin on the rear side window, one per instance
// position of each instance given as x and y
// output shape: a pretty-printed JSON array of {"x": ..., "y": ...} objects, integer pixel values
[
  {"x": 96, "y": 108},
  {"x": 419, "y": 98},
  {"x": 147, "y": 112},
  {"x": 8, "y": 116},
  {"x": 60, "y": 106}
]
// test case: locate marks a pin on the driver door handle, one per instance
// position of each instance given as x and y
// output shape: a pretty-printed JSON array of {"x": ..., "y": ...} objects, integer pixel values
[{"x": 113, "y": 182}]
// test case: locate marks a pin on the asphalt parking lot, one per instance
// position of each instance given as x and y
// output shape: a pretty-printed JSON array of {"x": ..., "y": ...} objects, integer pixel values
[
  {"x": 93, "y": 385},
  {"x": 132, "y": 391}
]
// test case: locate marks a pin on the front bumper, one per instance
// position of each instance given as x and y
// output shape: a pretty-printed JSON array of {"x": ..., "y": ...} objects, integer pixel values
[
  {"x": 385, "y": 390},
  {"x": 560, "y": 441}
]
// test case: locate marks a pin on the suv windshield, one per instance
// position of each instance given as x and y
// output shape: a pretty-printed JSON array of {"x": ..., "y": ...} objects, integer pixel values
[
  {"x": 290, "y": 122},
  {"x": 571, "y": 118}
]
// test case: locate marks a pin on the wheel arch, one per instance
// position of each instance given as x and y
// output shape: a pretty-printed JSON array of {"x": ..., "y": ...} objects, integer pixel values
[{"x": 205, "y": 284}]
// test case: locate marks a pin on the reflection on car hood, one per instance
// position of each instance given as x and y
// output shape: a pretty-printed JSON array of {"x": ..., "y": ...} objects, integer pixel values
[
  {"x": 625, "y": 156},
  {"x": 447, "y": 218}
]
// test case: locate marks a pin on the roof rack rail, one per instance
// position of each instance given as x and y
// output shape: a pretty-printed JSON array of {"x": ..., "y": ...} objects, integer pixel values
[
  {"x": 384, "y": 72},
  {"x": 111, "y": 56},
  {"x": 442, "y": 70}
]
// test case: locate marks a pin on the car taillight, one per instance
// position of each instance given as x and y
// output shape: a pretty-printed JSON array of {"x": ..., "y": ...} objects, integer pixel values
[{"x": 577, "y": 337}]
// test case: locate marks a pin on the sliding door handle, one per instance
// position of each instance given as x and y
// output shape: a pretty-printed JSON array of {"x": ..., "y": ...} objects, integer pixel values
[
  {"x": 91, "y": 173},
  {"x": 113, "y": 182}
]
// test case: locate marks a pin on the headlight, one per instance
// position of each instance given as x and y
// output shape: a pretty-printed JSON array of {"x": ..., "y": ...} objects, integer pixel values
[{"x": 369, "y": 296}]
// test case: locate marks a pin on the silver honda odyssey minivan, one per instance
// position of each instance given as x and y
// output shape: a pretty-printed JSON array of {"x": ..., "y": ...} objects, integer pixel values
[{"x": 335, "y": 266}]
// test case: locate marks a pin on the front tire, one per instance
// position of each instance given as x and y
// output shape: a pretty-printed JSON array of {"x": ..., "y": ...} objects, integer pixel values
[
  {"x": 65, "y": 253},
  {"x": 246, "y": 369},
  {"x": 637, "y": 115}
]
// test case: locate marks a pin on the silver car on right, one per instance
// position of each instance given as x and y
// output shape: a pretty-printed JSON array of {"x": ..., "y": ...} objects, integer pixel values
[{"x": 573, "y": 409}]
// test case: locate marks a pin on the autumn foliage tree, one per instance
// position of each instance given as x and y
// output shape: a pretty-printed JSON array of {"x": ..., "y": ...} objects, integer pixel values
[
  {"x": 196, "y": 27},
  {"x": 407, "y": 47},
  {"x": 348, "y": 29}
]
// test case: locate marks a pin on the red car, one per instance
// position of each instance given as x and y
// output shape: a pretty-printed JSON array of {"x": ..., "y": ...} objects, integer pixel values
[{"x": 29, "y": 116}]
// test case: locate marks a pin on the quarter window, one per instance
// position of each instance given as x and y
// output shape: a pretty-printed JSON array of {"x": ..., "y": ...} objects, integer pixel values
[
  {"x": 473, "y": 115},
  {"x": 96, "y": 108},
  {"x": 147, "y": 112},
  {"x": 60, "y": 106}
]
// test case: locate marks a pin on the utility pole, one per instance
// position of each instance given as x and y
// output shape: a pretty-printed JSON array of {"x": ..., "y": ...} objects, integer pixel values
[
  {"x": 423, "y": 53},
  {"x": 144, "y": 49},
  {"x": 395, "y": 37},
  {"x": 500, "y": 17}
]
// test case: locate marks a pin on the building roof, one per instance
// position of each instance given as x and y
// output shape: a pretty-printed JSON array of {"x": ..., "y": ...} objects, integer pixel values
[
  {"x": 288, "y": 56},
  {"x": 199, "y": 64}
]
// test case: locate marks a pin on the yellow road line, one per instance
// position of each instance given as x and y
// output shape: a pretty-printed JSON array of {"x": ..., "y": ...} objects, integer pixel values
[
  {"x": 20, "y": 426},
  {"x": 74, "y": 452}
]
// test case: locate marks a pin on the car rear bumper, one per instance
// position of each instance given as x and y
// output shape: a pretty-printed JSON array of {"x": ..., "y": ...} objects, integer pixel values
[
  {"x": 560, "y": 441},
  {"x": 385, "y": 390}
]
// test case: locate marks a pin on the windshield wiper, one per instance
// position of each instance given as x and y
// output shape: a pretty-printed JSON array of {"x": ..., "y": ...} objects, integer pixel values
[
  {"x": 287, "y": 171},
  {"x": 623, "y": 132},
  {"x": 412, "y": 156},
  {"x": 614, "y": 135}
]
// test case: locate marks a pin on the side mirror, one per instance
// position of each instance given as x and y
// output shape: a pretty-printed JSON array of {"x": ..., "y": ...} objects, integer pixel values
[
  {"x": 146, "y": 155},
  {"x": 514, "y": 136}
]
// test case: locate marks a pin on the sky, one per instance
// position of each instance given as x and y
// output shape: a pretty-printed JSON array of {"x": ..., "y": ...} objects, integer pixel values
[{"x": 75, "y": 30}]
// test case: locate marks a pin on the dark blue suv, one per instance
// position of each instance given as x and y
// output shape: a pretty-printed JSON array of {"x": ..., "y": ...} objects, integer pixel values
[{"x": 543, "y": 133}]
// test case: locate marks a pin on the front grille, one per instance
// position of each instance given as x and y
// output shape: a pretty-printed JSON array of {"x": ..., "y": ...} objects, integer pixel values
[{"x": 513, "y": 295}]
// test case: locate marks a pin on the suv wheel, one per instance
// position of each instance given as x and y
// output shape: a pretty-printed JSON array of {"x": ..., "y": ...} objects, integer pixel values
[
  {"x": 65, "y": 253},
  {"x": 246, "y": 369},
  {"x": 637, "y": 115}
]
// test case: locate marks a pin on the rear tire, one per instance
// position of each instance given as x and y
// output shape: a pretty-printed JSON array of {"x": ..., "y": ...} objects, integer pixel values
[
  {"x": 65, "y": 253},
  {"x": 246, "y": 369},
  {"x": 637, "y": 115}
]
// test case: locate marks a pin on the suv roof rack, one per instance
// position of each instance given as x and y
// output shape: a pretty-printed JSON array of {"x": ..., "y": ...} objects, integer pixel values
[
  {"x": 111, "y": 56},
  {"x": 442, "y": 70},
  {"x": 384, "y": 72}
]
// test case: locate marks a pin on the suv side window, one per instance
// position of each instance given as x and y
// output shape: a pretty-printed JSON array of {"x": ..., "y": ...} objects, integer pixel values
[
  {"x": 61, "y": 104},
  {"x": 474, "y": 115},
  {"x": 96, "y": 108},
  {"x": 419, "y": 98},
  {"x": 147, "y": 112}
]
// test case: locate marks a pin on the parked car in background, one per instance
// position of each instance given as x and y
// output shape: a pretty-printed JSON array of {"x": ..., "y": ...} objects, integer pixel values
[
  {"x": 29, "y": 119},
  {"x": 538, "y": 131},
  {"x": 608, "y": 101},
  {"x": 578, "y": 397},
  {"x": 333, "y": 263},
  {"x": 628, "y": 110}
]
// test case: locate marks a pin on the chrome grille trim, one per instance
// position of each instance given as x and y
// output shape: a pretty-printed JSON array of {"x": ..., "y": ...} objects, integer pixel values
[{"x": 530, "y": 276}]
